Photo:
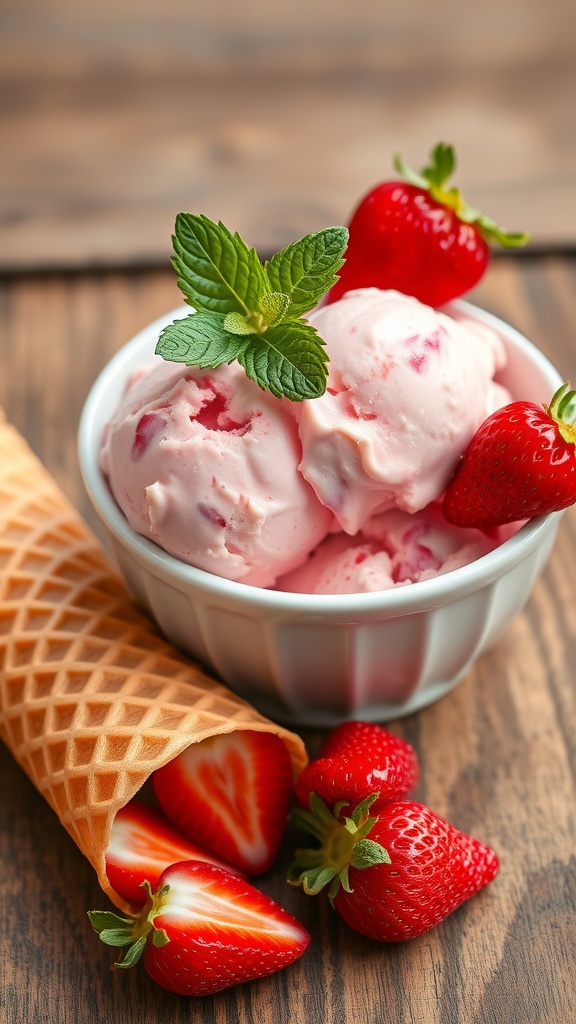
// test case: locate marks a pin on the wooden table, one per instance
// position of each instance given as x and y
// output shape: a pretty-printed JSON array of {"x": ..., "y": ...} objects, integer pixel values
[
  {"x": 498, "y": 755},
  {"x": 276, "y": 118},
  {"x": 273, "y": 117}
]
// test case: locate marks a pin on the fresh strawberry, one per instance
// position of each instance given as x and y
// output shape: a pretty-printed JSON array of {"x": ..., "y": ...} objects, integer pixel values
[
  {"x": 394, "y": 875},
  {"x": 203, "y": 930},
  {"x": 356, "y": 759},
  {"x": 520, "y": 463},
  {"x": 142, "y": 844},
  {"x": 231, "y": 793},
  {"x": 418, "y": 236}
]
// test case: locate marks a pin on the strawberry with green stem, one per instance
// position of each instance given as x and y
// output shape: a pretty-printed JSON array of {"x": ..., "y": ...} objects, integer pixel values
[
  {"x": 203, "y": 930},
  {"x": 392, "y": 875},
  {"x": 417, "y": 235},
  {"x": 521, "y": 463}
]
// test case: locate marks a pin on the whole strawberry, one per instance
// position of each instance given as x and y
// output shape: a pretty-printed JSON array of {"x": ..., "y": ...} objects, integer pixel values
[
  {"x": 418, "y": 236},
  {"x": 394, "y": 875},
  {"x": 358, "y": 758},
  {"x": 520, "y": 463},
  {"x": 204, "y": 930}
]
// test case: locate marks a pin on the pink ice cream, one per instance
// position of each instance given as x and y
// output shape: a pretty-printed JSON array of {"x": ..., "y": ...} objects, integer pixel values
[
  {"x": 205, "y": 464},
  {"x": 408, "y": 386},
  {"x": 227, "y": 478},
  {"x": 393, "y": 548}
]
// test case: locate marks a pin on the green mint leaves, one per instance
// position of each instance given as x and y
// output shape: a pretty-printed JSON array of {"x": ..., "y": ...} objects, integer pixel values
[{"x": 249, "y": 311}]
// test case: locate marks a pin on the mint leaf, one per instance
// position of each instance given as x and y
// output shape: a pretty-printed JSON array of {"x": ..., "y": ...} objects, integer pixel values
[
  {"x": 307, "y": 268},
  {"x": 235, "y": 323},
  {"x": 274, "y": 306},
  {"x": 199, "y": 340},
  {"x": 250, "y": 312},
  {"x": 289, "y": 360},
  {"x": 216, "y": 270}
]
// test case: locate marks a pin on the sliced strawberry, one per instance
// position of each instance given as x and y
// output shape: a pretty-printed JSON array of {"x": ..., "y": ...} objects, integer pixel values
[
  {"x": 357, "y": 759},
  {"x": 204, "y": 930},
  {"x": 142, "y": 844},
  {"x": 231, "y": 793},
  {"x": 394, "y": 875},
  {"x": 520, "y": 463}
]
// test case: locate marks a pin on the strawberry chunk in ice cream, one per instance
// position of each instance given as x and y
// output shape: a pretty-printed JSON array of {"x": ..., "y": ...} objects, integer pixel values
[
  {"x": 392, "y": 549},
  {"x": 205, "y": 464}
]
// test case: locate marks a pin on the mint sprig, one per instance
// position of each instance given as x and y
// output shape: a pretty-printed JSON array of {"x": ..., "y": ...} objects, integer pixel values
[{"x": 249, "y": 311}]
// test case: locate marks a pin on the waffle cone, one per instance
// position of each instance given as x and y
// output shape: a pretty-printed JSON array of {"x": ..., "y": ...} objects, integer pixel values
[{"x": 92, "y": 699}]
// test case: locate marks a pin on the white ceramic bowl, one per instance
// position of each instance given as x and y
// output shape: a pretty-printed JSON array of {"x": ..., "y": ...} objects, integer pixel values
[{"x": 315, "y": 660}]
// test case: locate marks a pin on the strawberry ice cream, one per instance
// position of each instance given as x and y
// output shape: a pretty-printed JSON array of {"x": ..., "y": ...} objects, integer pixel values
[
  {"x": 408, "y": 386},
  {"x": 392, "y": 549},
  {"x": 205, "y": 464},
  {"x": 227, "y": 478}
]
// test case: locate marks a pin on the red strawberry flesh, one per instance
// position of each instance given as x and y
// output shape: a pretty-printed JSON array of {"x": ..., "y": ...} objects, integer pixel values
[
  {"x": 204, "y": 930},
  {"x": 143, "y": 843},
  {"x": 222, "y": 931},
  {"x": 231, "y": 794}
]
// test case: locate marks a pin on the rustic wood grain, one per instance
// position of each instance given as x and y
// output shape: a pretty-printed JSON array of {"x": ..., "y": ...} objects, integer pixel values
[
  {"x": 274, "y": 119},
  {"x": 498, "y": 755}
]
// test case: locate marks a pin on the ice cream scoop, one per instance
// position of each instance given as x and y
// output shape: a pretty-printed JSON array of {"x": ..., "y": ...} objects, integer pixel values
[
  {"x": 408, "y": 386},
  {"x": 205, "y": 463},
  {"x": 393, "y": 549}
]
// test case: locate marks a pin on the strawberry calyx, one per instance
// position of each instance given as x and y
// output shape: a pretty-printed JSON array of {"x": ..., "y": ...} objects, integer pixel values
[
  {"x": 434, "y": 179},
  {"x": 343, "y": 843},
  {"x": 562, "y": 409},
  {"x": 132, "y": 933}
]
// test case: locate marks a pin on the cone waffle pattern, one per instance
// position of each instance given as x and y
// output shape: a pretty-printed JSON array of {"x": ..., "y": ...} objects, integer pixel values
[{"x": 92, "y": 699}]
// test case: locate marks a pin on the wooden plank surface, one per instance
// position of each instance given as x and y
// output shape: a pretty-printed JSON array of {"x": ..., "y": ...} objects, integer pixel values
[
  {"x": 274, "y": 119},
  {"x": 498, "y": 755}
]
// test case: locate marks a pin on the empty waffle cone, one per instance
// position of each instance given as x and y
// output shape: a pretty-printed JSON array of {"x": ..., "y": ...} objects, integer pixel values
[{"x": 92, "y": 699}]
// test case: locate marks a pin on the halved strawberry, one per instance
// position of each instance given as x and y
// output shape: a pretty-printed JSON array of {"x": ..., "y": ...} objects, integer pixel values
[
  {"x": 357, "y": 759},
  {"x": 142, "y": 844},
  {"x": 204, "y": 930},
  {"x": 231, "y": 793}
]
